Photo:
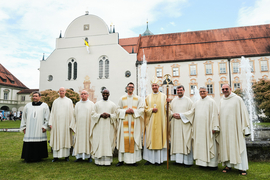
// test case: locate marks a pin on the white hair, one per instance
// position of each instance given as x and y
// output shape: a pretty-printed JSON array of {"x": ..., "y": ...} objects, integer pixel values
[{"x": 203, "y": 87}]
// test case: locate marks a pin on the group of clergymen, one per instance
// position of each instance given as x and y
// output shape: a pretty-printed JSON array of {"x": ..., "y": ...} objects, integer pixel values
[{"x": 199, "y": 131}]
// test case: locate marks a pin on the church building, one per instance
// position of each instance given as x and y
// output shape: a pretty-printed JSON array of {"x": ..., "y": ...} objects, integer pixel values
[{"x": 90, "y": 56}]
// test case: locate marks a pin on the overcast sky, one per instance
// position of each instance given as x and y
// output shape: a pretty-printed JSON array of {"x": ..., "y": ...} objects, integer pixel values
[{"x": 28, "y": 28}]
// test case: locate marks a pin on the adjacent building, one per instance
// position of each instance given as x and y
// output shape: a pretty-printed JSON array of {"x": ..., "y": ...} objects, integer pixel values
[
  {"x": 90, "y": 56},
  {"x": 14, "y": 95}
]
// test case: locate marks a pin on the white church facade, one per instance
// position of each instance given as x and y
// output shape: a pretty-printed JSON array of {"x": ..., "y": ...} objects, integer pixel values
[{"x": 200, "y": 58}]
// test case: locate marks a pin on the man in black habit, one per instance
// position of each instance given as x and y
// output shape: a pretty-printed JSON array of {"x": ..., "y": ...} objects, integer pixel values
[{"x": 34, "y": 124}]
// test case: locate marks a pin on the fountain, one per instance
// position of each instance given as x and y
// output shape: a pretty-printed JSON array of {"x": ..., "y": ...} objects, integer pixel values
[
  {"x": 258, "y": 144},
  {"x": 196, "y": 96},
  {"x": 143, "y": 78}
]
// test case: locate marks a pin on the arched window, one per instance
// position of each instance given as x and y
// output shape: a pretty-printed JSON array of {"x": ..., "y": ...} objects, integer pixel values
[
  {"x": 69, "y": 70},
  {"x": 75, "y": 71},
  {"x": 107, "y": 69},
  {"x": 103, "y": 67},
  {"x": 72, "y": 69}
]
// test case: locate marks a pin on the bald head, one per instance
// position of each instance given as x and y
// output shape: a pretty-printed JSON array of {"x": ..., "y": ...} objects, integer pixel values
[
  {"x": 84, "y": 95},
  {"x": 226, "y": 90},
  {"x": 62, "y": 92}
]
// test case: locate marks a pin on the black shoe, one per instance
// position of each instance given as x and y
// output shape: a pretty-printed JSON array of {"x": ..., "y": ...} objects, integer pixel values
[
  {"x": 147, "y": 163},
  {"x": 187, "y": 166},
  {"x": 158, "y": 164},
  {"x": 119, "y": 164},
  {"x": 134, "y": 164},
  {"x": 77, "y": 160},
  {"x": 66, "y": 158},
  {"x": 90, "y": 160},
  {"x": 177, "y": 164},
  {"x": 213, "y": 168},
  {"x": 55, "y": 159}
]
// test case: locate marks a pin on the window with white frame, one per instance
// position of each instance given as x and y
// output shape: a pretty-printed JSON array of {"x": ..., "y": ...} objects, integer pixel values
[
  {"x": 72, "y": 69},
  {"x": 23, "y": 98},
  {"x": 235, "y": 67},
  {"x": 192, "y": 70},
  {"x": 5, "y": 95},
  {"x": 210, "y": 88},
  {"x": 176, "y": 71},
  {"x": 264, "y": 66},
  {"x": 174, "y": 90},
  {"x": 208, "y": 68},
  {"x": 222, "y": 68},
  {"x": 106, "y": 68},
  {"x": 100, "y": 74},
  {"x": 192, "y": 89},
  {"x": 221, "y": 88},
  {"x": 103, "y": 66},
  {"x": 159, "y": 72},
  {"x": 237, "y": 86}
]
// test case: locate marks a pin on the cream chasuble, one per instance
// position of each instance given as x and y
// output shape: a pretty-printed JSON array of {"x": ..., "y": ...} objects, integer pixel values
[
  {"x": 61, "y": 116},
  {"x": 234, "y": 124},
  {"x": 181, "y": 132},
  {"x": 204, "y": 117},
  {"x": 81, "y": 127},
  {"x": 103, "y": 132},
  {"x": 130, "y": 126}
]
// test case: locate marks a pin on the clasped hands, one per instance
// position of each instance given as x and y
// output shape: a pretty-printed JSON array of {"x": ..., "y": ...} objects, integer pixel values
[
  {"x": 176, "y": 116},
  {"x": 105, "y": 115},
  {"x": 129, "y": 111},
  {"x": 43, "y": 130}
]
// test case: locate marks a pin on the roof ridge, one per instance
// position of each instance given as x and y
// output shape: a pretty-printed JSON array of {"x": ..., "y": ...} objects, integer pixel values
[{"x": 11, "y": 79}]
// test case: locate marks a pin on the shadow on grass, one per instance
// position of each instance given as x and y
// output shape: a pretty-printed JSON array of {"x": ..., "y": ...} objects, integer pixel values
[{"x": 12, "y": 167}]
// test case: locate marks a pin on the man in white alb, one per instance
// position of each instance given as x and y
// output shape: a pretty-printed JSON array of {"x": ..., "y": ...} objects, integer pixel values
[
  {"x": 61, "y": 116},
  {"x": 103, "y": 130},
  {"x": 34, "y": 124},
  {"x": 129, "y": 136},
  {"x": 234, "y": 125},
  {"x": 181, "y": 129},
  {"x": 81, "y": 127},
  {"x": 204, "y": 117}
]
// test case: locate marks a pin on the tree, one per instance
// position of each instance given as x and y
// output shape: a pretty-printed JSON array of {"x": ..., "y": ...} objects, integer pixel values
[
  {"x": 262, "y": 96},
  {"x": 48, "y": 96},
  {"x": 261, "y": 90}
]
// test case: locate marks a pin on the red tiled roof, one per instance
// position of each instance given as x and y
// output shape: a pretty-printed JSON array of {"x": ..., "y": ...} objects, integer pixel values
[
  {"x": 209, "y": 44},
  {"x": 27, "y": 91},
  {"x": 129, "y": 43},
  {"x": 8, "y": 79}
]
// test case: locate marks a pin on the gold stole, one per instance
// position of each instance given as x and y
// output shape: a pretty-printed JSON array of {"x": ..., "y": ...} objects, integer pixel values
[{"x": 129, "y": 144}]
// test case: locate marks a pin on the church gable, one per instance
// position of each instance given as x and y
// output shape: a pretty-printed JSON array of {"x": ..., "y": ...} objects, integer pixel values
[{"x": 87, "y": 25}]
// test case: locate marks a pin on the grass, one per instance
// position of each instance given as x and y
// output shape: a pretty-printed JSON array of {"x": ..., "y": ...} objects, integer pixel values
[
  {"x": 10, "y": 124},
  {"x": 12, "y": 167},
  {"x": 16, "y": 124},
  {"x": 263, "y": 124}
]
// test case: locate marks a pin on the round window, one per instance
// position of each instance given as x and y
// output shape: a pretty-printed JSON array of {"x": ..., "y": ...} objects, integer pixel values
[
  {"x": 50, "y": 78},
  {"x": 127, "y": 74}
]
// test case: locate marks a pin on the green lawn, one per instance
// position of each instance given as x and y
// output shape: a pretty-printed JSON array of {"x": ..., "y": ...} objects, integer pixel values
[
  {"x": 16, "y": 124},
  {"x": 265, "y": 124},
  {"x": 12, "y": 167},
  {"x": 10, "y": 124}
]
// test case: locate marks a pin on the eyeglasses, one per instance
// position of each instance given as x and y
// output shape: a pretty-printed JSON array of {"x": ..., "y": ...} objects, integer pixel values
[
  {"x": 130, "y": 87},
  {"x": 225, "y": 89}
]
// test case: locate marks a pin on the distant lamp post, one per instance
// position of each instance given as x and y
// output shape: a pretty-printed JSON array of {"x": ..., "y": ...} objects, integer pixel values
[{"x": 167, "y": 81}]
